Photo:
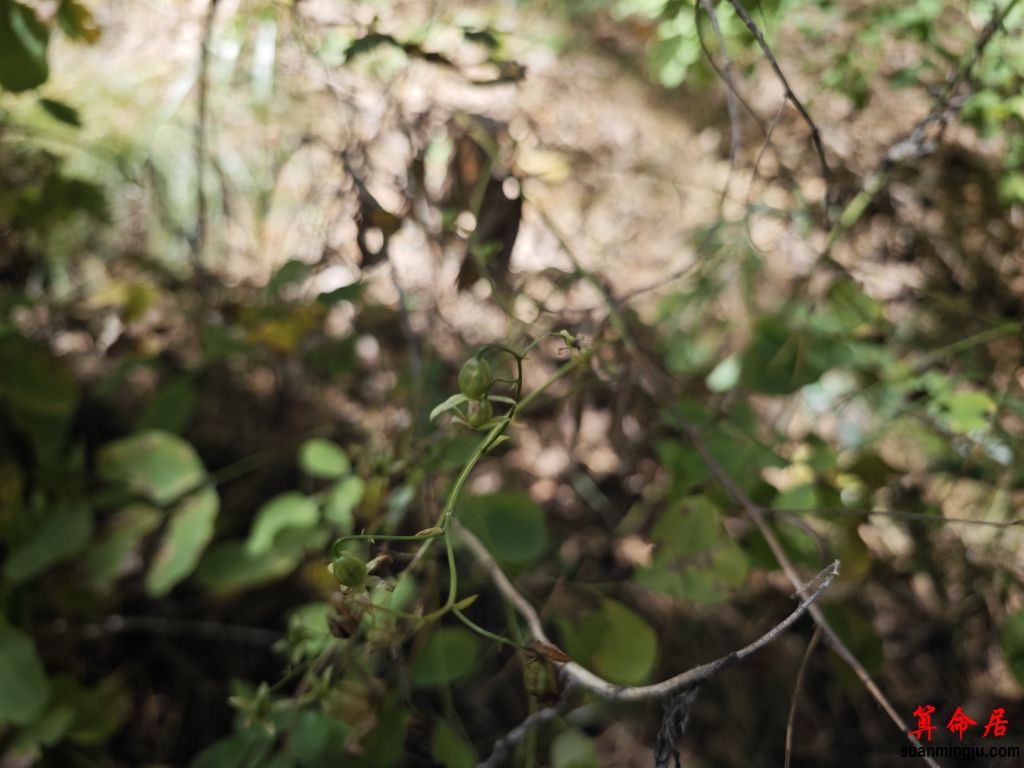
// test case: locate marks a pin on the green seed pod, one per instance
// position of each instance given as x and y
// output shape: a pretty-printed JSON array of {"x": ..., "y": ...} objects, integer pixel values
[
  {"x": 475, "y": 378},
  {"x": 483, "y": 413},
  {"x": 349, "y": 570}
]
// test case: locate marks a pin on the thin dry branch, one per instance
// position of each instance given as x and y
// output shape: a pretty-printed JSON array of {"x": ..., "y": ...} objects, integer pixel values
[
  {"x": 816, "y": 142},
  {"x": 732, "y": 96},
  {"x": 796, "y": 693},
  {"x": 756, "y": 513},
  {"x": 596, "y": 684},
  {"x": 917, "y": 143},
  {"x": 199, "y": 237},
  {"x": 504, "y": 746}
]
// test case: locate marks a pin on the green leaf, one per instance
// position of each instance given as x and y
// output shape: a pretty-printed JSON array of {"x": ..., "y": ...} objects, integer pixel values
[
  {"x": 693, "y": 559},
  {"x": 1011, "y": 640},
  {"x": 573, "y": 749},
  {"x": 510, "y": 525},
  {"x": 385, "y": 747},
  {"x": 108, "y": 558},
  {"x": 314, "y": 738},
  {"x": 170, "y": 408},
  {"x": 63, "y": 534},
  {"x": 725, "y": 376},
  {"x": 33, "y": 381},
  {"x": 61, "y": 112},
  {"x": 292, "y": 271},
  {"x": 24, "y": 688},
  {"x": 241, "y": 750},
  {"x": 342, "y": 499},
  {"x": 44, "y": 731},
  {"x": 447, "y": 405},
  {"x": 154, "y": 464},
  {"x": 307, "y": 630},
  {"x": 23, "y": 42},
  {"x": 77, "y": 21},
  {"x": 289, "y": 510},
  {"x": 99, "y": 711},
  {"x": 614, "y": 641},
  {"x": 852, "y": 310},
  {"x": 345, "y": 293},
  {"x": 449, "y": 749},
  {"x": 780, "y": 359},
  {"x": 229, "y": 567},
  {"x": 450, "y": 654},
  {"x": 967, "y": 411},
  {"x": 322, "y": 458},
  {"x": 189, "y": 531}
]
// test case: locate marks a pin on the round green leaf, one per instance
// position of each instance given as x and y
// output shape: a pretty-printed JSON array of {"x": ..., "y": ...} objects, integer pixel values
[
  {"x": 450, "y": 653},
  {"x": 23, "y": 42},
  {"x": 33, "y": 381},
  {"x": 229, "y": 567},
  {"x": 289, "y": 510},
  {"x": 450, "y": 749},
  {"x": 781, "y": 359},
  {"x": 510, "y": 525},
  {"x": 323, "y": 458},
  {"x": 615, "y": 642},
  {"x": 109, "y": 557},
  {"x": 154, "y": 464},
  {"x": 188, "y": 533},
  {"x": 63, "y": 534},
  {"x": 24, "y": 688},
  {"x": 342, "y": 499},
  {"x": 573, "y": 749}
]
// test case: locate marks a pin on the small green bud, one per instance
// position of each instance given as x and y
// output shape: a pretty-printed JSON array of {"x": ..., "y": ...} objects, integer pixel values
[
  {"x": 475, "y": 378},
  {"x": 482, "y": 414},
  {"x": 349, "y": 570}
]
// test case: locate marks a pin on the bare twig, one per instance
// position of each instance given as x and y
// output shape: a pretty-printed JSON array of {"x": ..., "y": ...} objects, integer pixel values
[
  {"x": 756, "y": 513},
  {"x": 504, "y": 746},
  {"x": 819, "y": 148},
  {"x": 592, "y": 682},
  {"x": 796, "y": 692},
  {"x": 917, "y": 144},
  {"x": 203, "y": 82},
  {"x": 732, "y": 96}
]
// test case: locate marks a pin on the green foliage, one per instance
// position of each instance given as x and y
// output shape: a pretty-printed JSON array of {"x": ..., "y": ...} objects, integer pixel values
[
  {"x": 513, "y": 527},
  {"x": 156, "y": 465},
  {"x": 289, "y": 511},
  {"x": 614, "y": 641},
  {"x": 449, "y": 748},
  {"x": 694, "y": 559},
  {"x": 113, "y": 552},
  {"x": 62, "y": 533},
  {"x": 449, "y": 655},
  {"x": 129, "y": 365},
  {"x": 322, "y": 458},
  {"x": 24, "y": 688},
  {"x": 572, "y": 749},
  {"x": 1011, "y": 639},
  {"x": 188, "y": 532},
  {"x": 23, "y": 44}
]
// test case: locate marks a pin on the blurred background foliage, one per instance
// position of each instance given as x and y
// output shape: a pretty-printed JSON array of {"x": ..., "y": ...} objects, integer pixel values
[{"x": 236, "y": 284}]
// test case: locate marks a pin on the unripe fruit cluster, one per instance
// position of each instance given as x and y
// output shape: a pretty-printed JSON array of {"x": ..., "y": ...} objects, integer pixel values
[
  {"x": 349, "y": 570},
  {"x": 475, "y": 381}
]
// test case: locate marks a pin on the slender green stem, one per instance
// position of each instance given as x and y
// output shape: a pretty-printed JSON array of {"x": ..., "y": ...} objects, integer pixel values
[
  {"x": 442, "y": 527},
  {"x": 484, "y": 632}
]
